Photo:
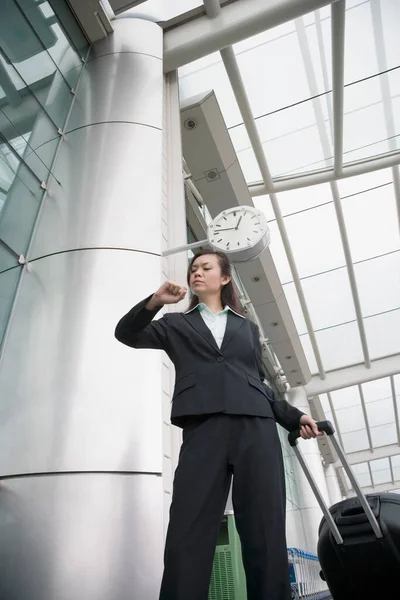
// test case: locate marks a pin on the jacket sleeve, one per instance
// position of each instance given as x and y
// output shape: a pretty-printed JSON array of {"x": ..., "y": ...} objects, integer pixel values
[
  {"x": 285, "y": 414},
  {"x": 137, "y": 330}
]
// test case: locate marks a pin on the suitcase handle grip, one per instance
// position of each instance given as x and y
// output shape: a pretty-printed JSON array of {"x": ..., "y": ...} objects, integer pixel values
[
  {"x": 325, "y": 426},
  {"x": 351, "y": 512}
]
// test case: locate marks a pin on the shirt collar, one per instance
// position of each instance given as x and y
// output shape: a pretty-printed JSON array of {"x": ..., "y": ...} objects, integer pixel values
[{"x": 201, "y": 306}]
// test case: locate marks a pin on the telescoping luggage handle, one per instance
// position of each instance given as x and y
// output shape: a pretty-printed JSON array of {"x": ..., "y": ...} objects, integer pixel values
[{"x": 327, "y": 427}]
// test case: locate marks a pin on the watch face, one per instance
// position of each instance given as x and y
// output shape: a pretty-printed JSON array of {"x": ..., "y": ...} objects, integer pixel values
[{"x": 236, "y": 229}]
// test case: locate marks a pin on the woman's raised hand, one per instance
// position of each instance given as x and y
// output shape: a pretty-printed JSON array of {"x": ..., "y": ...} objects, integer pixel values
[{"x": 169, "y": 293}]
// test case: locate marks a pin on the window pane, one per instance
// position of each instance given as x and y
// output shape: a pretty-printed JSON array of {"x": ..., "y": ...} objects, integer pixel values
[
  {"x": 273, "y": 53},
  {"x": 8, "y": 285},
  {"x": 378, "y": 282},
  {"x": 248, "y": 161},
  {"x": 377, "y": 389},
  {"x": 396, "y": 467},
  {"x": 367, "y": 131},
  {"x": 361, "y": 183},
  {"x": 346, "y": 397},
  {"x": 380, "y": 412},
  {"x": 309, "y": 353},
  {"x": 355, "y": 441},
  {"x": 382, "y": 334},
  {"x": 337, "y": 306},
  {"x": 362, "y": 474},
  {"x": 8, "y": 167},
  {"x": 264, "y": 203},
  {"x": 383, "y": 435},
  {"x": 295, "y": 307},
  {"x": 7, "y": 259},
  {"x": 380, "y": 471},
  {"x": 377, "y": 232},
  {"x": 279, "y": 254},
  {"x": 70, "y": 26},
  {"x": 20, "y": 209},
  {"x": 340, "y": 346},
  {"x": 31, "y": 63},
  {"x": 294, "y": 201},
  {"x": 27, "y": 130},
  {"x": 285, "y": 132},
  {"x": 34, "y": 43},
  {"x": 325, "y": 402},
  {"x": 160, "y": 10},
  {"x": 390, "y": 11},
  {"x": 396, "y": 380},
  {"x": 315, "y": 240},
  {"x": 64, "y": 55},
  {"x": 361, "y": 60},
  {"x": 379, "y": 406},
  {"x": 350, "y": 419}
]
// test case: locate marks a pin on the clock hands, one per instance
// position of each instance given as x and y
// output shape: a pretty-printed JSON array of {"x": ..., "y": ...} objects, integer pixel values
[
  {"x": 237, "y": 226},
  {"x": 230, "y": 228}
]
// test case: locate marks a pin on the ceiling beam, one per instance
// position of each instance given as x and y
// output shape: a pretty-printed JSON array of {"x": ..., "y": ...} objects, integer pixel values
[
  {"x": 378, "y": 489},
  {"x": 391, "y": 470},
  {"x": 395, "y": 409},
  {"x": 238, "y": 88},
  {"x": 335, "y": 420},
  {"x": 284, "y": 184},
  {"x": 367, "y": 426},
  {"x": 338, "y": 38},
  {"x": 353, "y": 375},
  {"x": 362, "y": 456},
  {"x": 236, "y": 22}
]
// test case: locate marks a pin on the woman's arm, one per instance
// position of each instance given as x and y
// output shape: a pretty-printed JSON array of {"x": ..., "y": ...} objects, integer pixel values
[
  {"x": 285, "y": 414},
  {"x": 137, "y": 330}
]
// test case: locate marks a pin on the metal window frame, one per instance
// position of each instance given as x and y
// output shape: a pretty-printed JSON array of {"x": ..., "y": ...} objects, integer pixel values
[
  {"x": 235, "y": 22},
  {"x": 271, "y": 187},
  {"x": 320, "y": 176}
]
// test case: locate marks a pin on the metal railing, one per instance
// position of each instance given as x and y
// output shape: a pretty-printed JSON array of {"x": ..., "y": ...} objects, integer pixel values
[{"x": 305, "y": 576}]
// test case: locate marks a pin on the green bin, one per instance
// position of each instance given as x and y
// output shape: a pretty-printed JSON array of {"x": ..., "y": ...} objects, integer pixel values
[{"x": 228, "y": 581}]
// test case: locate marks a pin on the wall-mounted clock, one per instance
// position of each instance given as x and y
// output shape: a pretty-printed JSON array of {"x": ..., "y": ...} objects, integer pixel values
[{"x": 241, "y": 232}]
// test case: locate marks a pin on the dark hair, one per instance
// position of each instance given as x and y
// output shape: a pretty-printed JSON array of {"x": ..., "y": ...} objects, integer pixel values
[{"x": 229, "y": 296}]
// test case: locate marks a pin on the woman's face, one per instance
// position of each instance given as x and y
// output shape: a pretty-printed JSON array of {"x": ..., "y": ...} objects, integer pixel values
[{"x": 205, "y": 276}]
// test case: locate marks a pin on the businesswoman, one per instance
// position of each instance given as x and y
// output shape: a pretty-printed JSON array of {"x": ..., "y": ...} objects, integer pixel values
[{"x": 228, "y": 416}]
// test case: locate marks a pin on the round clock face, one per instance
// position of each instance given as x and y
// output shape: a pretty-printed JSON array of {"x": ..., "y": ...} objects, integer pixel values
[{"x": 237, "y": 228}]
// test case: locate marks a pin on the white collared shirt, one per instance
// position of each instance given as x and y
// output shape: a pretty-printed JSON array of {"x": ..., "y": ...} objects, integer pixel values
[{"x": 215, "y": 322}]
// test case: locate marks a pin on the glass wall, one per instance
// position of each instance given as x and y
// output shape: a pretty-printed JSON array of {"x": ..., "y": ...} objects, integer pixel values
[{"x": 41, "y": 56}]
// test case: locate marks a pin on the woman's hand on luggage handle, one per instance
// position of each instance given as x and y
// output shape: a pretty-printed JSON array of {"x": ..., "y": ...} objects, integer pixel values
[
  {"x": 169, "y": 293},
  {"x": 308, "y": 428}
]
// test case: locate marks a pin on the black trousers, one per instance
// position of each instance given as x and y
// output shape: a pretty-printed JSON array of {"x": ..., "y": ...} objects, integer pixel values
[{"x": 215, "y": 447}]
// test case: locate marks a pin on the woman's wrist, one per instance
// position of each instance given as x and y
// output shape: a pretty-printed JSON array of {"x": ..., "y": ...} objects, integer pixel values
[{"x": 153, "y": 304}]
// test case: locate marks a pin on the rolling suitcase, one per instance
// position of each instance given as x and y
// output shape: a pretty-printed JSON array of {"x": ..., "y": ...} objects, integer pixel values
[{"x": 359, "y": 538}]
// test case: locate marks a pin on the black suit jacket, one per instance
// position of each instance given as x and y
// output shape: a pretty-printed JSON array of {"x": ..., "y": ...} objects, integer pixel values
[{"x": 208, "y": 379}]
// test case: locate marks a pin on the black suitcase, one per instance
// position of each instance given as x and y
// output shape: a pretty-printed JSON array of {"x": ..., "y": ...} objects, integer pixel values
[{"x": 359, "y": 538}]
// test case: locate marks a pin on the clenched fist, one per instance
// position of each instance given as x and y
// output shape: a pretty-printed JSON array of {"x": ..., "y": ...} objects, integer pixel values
[{"x": 169, "y": 293}]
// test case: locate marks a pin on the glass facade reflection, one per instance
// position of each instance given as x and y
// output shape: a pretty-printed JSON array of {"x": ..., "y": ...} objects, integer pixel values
[{"x": 41, "y": 56}]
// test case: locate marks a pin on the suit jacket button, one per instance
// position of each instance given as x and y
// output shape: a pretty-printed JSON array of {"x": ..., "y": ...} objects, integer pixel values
[{"x": 220, "y": 359}]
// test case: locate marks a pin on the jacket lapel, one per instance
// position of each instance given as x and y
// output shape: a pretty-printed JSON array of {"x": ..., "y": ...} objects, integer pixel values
[
  {"x": 233, "y": 324},
  {"x": 195, "y": 319}
]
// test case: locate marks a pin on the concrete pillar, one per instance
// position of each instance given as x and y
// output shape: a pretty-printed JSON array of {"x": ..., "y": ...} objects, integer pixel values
[
  {"x": 81, "y": 456},
  {"x": 310, "y": 510},
  {"x": 332, "y": 483},
  {"x": 295, "y": 534}
]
